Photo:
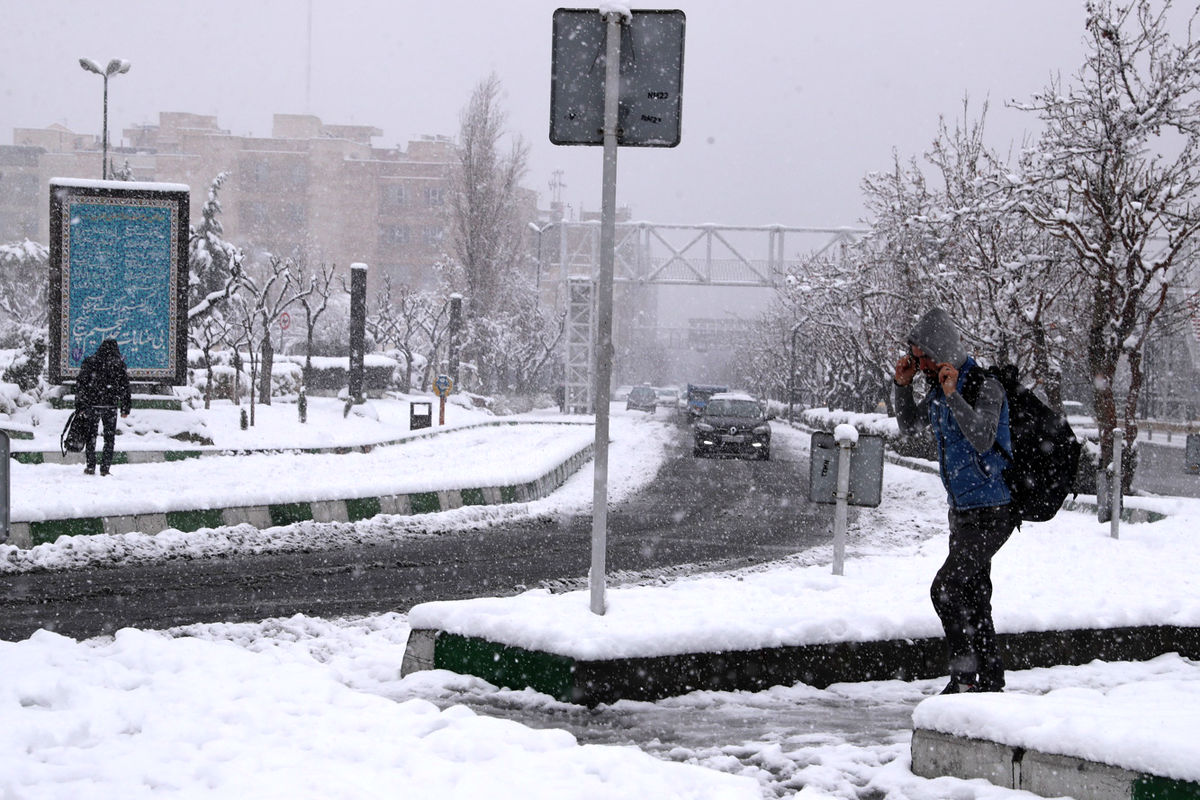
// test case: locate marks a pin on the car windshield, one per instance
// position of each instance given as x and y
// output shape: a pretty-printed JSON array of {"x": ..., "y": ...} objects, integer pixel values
[
  {"x": 642, "y": 393},
  {"x": 733, "y": 408}
]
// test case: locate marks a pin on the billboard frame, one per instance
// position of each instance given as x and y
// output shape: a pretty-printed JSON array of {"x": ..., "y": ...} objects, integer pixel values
[{"x": 131, "y": 240}]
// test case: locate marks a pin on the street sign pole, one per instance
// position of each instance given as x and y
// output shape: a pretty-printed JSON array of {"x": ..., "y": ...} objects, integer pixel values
[{"x": 604, "y": 345}]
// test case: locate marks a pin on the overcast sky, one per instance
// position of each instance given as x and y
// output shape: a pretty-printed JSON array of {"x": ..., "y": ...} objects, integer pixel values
[{"x": 786, "y": 103}]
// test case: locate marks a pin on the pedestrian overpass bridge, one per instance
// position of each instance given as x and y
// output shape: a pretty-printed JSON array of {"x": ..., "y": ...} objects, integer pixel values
[
  {"x": 701, "y": 255},
  {"x": 654, "y": 254}
]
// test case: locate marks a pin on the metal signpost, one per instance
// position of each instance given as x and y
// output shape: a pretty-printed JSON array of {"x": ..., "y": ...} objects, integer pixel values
[
  {"x": 442, "y": 386},
  {"x": 846, "y": 469},
  {"x": 616, "y": 79}
]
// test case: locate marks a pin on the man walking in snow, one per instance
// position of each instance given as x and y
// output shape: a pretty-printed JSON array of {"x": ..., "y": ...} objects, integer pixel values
[
  {"x": 973, "y": 447},
  {"x": 100, "y": 390}
]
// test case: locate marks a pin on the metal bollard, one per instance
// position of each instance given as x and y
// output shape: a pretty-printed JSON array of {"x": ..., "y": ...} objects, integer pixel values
[{"x": 1114, "y": 519}]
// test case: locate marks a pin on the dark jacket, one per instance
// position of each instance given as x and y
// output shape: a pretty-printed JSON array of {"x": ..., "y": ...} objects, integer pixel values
[
  {"x": 103, "y": 380},
  {"x": 970, "y": 464}
]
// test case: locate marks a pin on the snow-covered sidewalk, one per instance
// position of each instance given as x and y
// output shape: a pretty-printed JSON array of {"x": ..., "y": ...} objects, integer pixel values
[{"x": 289, "y": 708}]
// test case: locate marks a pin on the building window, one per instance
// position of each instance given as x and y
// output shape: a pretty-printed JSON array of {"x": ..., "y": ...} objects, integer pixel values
[
  {"x": 253, "y": 216},
  {"x": 435, "y": 196},
  {"x": 393, "y": 236},
  {"x": 392, "y": 196},
  {"x": 431, "y": 235}
]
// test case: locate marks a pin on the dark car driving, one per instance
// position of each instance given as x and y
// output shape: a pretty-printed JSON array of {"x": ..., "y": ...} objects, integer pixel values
[
  {"x": 733, "y": 424},
  {"x": 642, "y": 398}
]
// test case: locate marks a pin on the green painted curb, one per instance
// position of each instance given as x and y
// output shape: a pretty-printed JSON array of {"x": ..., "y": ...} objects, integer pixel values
[
  {"x": 363, "y": 508},
  {"x": 49, "y": 530},
  {"x": 473, "y": 497},
  {"x": 424, "y": 502},
  {"x": 29, "y": 458},
  {"x": 180, "y": 455},
  {"x": 287, "y": 513},
  {"x": 188, "y": 521},
  {"x": 1152, "y": 787},
  {"x": 506, "y": 666},
  {"x": 508, "y": 494}
]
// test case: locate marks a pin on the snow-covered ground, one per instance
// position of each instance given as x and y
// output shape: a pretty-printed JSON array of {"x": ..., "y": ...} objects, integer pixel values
[{"x": 306, "y": 707}]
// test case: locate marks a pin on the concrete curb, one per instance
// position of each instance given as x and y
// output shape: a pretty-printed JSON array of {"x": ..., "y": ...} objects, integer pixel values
[
  {"x": 935, "y": 754},
  {"x": 30, "y": 534},
  {"x": 208, "y": 451},
  {"x": 592, "y": 682}
]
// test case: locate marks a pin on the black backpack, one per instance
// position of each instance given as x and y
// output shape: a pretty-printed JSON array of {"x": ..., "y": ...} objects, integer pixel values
[
  {"x": 1045, "y": 452},
  {"x": 74, "y": 434}
]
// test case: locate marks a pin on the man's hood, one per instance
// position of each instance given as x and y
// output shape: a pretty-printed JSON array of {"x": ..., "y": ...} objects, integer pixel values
[{"x": 937, "y": 335}]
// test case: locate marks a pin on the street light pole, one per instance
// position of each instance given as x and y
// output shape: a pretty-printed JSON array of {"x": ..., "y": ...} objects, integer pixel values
[
  {"x": 116, "y": 66},
  {"x": 539, "y": 230}
]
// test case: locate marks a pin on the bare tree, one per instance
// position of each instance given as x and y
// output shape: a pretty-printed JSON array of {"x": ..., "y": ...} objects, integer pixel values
[
  {"x": 1115, "y": 177},
  {"x": 319, "y": 288},
  {"x": 485, "y": 205},
  {"x": 279, "y": 285}
]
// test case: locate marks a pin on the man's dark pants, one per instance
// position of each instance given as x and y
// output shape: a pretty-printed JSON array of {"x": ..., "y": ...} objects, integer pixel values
[
  {"x": 94, "y": 416},
  {"x": 962, "y": 595}
]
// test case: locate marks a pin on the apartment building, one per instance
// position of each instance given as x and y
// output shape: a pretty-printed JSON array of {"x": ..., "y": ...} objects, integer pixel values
[{"x": 320, "y": 191}]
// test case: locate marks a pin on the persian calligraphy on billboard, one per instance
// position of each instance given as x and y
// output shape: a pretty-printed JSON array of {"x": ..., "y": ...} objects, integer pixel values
[{"x": 118, "y": 269}]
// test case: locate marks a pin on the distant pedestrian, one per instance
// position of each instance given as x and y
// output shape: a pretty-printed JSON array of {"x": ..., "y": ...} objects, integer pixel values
[
  {"x": 101, "y": 390},
  {"x": 973, "y": 447}
]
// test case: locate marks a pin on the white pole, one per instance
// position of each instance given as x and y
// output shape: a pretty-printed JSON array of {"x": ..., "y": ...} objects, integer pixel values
[
  {"x": 1114, "y": 520},
  {"x": 604, "y": 346},
  {"x": 841, "y": 508}
]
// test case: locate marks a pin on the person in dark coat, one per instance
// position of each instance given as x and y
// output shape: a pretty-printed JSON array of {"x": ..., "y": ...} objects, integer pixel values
[
  {"x": 101, "y": 390},
  {"x": 974, "y": 445}
]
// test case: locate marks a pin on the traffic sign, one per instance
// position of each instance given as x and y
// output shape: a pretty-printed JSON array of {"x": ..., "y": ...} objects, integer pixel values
[
  {"x": 442, "y": 385},
  {"x": 651, "y": 78},
  {"x": 285, "y": 320}
]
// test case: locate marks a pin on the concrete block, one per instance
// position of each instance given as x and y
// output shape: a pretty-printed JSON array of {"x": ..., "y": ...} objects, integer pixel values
[
  {"x": 395, "y": 504},
  {"x": 1052, "y": 775},
  {"x": 151, "y": 523},
  {"x": 143, "y": 456},
  {"x": 450, "y": 499},
  {"x": 418, "y": 652},
  {"x": 935, "y": 754},
  {"x": 257, "y": 516},
  {"x": 18, "y": 535},
  {"x": 124, "y": 524},
  {"x": 329, "y": 511},
  {"x": 491, "y": 495}
]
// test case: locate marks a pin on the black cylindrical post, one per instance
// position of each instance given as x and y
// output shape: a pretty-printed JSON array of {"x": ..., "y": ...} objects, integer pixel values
[{"x": 358, "y": 328}]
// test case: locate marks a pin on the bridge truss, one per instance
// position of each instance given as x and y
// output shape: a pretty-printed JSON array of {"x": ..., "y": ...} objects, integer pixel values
[{"x": 656, "y": 254}]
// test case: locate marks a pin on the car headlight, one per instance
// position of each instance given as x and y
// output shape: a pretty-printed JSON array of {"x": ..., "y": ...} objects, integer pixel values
[
  {"x": 761, "y": 429},
  {"x": 703, "y": 426}
]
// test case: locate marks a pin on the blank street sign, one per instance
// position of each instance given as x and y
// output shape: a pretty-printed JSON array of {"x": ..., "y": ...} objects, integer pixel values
[{"x": 650, "y": 102}]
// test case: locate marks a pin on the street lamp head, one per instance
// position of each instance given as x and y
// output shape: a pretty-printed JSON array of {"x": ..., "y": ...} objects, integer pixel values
[
  {"x": 90, "y": 66},
  {"x": 117, "y": 65}
]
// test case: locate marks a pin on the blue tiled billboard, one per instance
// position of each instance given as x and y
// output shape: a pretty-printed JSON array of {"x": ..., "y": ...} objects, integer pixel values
[{"x": 118, "y": 260}]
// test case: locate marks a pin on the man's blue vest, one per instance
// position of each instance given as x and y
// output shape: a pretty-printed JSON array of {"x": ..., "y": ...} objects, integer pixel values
[{"x": 972, "y": 479}]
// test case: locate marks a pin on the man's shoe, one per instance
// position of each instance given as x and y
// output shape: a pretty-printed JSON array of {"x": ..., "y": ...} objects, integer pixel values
[
  {"x": 104, "y": 470},
  {"x": 89, "y": 470},
  {"x": 961, "y": 684}
]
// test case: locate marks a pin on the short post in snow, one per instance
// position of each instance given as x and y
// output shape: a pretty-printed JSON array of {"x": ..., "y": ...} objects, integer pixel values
[
  {"x": 846, "y": 437},
  {"x": 846, "y": 470},
  {"x": 1114, "y": 519},
  {"x": 442, "y": 386}
]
